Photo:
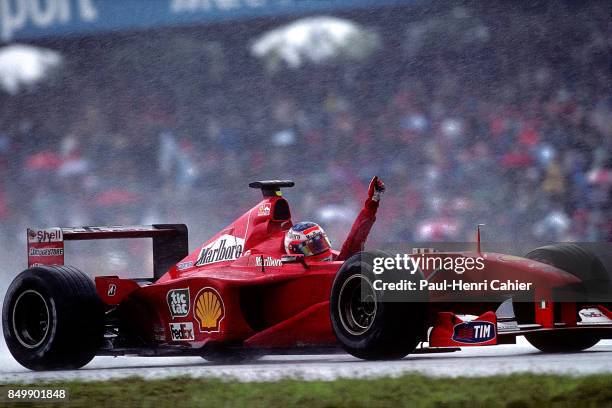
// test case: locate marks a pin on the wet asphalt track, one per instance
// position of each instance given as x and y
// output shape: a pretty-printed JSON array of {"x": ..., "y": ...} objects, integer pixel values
[{"x": 475, "y": 361}]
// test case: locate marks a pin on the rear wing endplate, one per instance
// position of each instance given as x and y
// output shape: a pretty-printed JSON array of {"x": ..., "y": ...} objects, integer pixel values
[{"x": 170, "y": 242}]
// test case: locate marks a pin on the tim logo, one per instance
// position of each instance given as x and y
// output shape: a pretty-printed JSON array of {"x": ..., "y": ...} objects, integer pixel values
[{"x": 474, "y": 332}]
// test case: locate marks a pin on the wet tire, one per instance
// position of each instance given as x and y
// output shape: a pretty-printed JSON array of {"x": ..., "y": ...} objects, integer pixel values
[
  {"x": 370, "y": 324},
  {"x": 52, "y": 318},
  {"x": 584, "y": 263},
  {"x": 591, "y": 263}
]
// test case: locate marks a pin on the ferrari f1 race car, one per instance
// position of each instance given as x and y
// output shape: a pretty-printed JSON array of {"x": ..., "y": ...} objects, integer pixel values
[{"x": 240, "y": 295}]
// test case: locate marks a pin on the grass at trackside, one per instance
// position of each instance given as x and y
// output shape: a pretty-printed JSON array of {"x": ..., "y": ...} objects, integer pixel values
[{"x": 515, "y": 391}]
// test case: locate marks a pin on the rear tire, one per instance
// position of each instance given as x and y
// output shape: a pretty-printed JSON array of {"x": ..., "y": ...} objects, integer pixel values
[
  {"x": 378, "y": 328},
  {"x": 53, "y": 318},
  {"x": 582, "y": 263}
]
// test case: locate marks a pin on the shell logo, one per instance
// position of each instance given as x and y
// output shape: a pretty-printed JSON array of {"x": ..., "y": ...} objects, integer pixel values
[{"x": 209, "y": 310}]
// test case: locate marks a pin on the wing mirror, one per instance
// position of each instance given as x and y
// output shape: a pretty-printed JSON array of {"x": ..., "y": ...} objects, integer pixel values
[{"x": 294, "y": 259}]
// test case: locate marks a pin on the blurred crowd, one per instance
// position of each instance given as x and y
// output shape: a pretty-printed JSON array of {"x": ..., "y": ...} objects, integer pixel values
[{"x": 508, "y": 124}]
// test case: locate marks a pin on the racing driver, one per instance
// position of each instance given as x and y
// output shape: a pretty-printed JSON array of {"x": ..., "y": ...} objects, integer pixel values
[{"x": 309, "y": 239}]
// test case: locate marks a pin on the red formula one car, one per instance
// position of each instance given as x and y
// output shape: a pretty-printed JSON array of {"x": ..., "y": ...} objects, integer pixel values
[{"x": 239, "y": 296}]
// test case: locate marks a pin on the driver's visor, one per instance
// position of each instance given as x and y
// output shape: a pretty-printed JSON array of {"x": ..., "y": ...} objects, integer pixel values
[{"x": 314, "y": 245}]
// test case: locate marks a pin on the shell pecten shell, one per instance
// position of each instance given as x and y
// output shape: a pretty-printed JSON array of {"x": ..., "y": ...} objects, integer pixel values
[{"x": 209, "y": 310}]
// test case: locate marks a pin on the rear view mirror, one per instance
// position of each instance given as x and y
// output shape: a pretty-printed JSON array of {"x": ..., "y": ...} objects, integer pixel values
[{"x": 293, "y": 259}]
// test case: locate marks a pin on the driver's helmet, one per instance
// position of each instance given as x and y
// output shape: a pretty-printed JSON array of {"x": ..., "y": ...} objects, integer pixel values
[{"x": 308, "y": 239}]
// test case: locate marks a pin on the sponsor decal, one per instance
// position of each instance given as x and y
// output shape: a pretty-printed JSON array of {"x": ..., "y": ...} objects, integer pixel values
[
  {"x": 590, "y": 314},
  {"x": 112, "y": 289},
  {"x": 224, "y": 248},
  {"x": 507, "y": 326},
  {"x": 46, "y": 251},
  {"x": 267, "y": 261},
  {"x": 45, "y": 235},
  {"x": 16, "y": 15},
  {"x": 178, "y": 302},
  {"x": 263, "y": 210},
  {"x": 311, "y": 230},
  {"x": 209, "y": 310},
  {"x": 184, "y": 265},
  {"x": 181, "y": 331},
  {"x": 474, "y": 332}
]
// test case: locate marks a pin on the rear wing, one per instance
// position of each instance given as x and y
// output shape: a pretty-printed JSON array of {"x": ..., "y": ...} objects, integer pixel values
[{"x": 170, "y": 242}]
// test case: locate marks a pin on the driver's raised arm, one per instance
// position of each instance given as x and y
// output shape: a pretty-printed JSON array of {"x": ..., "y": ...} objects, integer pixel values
[{"x": 363, "y": 224}]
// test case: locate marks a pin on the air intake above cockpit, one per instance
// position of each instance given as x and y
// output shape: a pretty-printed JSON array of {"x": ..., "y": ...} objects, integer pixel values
[{"x": 271, "y": 188}]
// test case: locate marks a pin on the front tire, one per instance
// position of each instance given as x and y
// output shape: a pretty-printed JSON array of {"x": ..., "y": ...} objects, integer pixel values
[
  {"x": 561, "y": 342},
  {"x": 52, "y": 318},
  {"x": 368, "y": 323},
  {"x": 597, "y": 279}
]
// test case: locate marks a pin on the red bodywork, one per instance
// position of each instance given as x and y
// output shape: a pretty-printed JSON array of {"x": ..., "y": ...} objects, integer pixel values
[{"x": 236, "y": 289}]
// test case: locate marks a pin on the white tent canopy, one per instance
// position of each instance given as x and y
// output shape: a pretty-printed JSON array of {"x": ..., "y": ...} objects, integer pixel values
[
  {"x": 24, "y": 65},
  {"x": 316, "y": 40}
]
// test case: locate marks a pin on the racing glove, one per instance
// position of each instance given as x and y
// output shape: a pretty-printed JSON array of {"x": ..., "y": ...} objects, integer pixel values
[{"x": 376, "y": 189}]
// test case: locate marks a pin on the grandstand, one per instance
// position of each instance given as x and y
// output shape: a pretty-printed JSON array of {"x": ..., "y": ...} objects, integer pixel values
[{"x": 471, "y": 113}]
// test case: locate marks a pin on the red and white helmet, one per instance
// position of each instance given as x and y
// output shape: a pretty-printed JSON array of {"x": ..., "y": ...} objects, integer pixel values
[{"x": 308, "y": 239}]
